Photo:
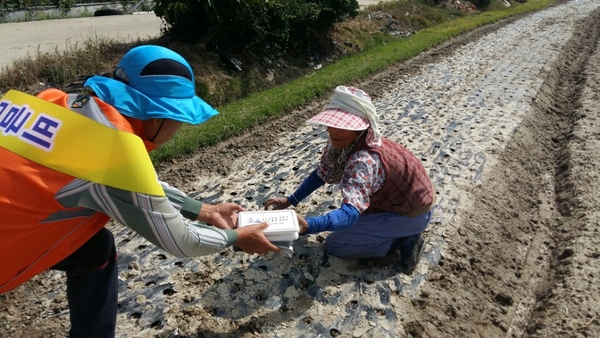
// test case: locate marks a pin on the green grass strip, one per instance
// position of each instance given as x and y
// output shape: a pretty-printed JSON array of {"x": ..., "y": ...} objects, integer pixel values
[{"x": 236, "y": 117}]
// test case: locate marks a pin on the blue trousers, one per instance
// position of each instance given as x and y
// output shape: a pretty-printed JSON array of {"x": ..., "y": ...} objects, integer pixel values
[
  {"x": 374, "y": 235},
  {"x": 92, "y": 287}
]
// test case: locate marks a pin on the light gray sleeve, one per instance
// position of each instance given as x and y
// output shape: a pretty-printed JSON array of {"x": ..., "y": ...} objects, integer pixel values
[{"x": 156, "y": 218}]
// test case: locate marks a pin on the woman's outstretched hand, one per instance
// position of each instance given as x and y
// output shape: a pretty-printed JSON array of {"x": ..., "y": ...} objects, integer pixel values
[{"x": 277, "y": 203}]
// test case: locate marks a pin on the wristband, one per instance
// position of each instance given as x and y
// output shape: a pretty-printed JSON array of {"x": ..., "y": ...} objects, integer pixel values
[{"x": 293, "y": 200}]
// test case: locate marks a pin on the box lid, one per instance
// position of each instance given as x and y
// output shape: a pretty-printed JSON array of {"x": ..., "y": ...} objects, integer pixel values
[{"x": 281, "y": 222}]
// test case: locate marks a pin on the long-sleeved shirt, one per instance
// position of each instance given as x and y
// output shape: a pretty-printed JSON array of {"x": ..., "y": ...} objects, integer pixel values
[
  {"x": 47, "y": 214},
  {"x": 385, "y": 178},
  {"x": 363, "y": 176},
  {"x": 158, "y": 219}
]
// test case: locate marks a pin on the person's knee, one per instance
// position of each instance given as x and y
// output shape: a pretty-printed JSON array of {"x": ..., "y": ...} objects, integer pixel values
[
  {"x": 341, "y": 249},
  {"x": 333, "y": 249},
  {"x": 334, "y": 246}
]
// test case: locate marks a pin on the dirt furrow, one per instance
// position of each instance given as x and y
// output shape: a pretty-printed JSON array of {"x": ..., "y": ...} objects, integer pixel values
[
  {"x": 521, "y": 224},
  {"x": 565, "y": 85}
]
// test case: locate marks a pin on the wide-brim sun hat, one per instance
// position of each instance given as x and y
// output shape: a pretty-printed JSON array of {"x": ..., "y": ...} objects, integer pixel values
[
  {"x": 341, "y": 119},
  {"x": 351, "y": 108},
  {"x": 153, "y": 82}
]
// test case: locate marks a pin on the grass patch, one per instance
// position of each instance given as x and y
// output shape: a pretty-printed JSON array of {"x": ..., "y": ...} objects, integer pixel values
[
  {"x": 247, "y": 99},
  {"x": 259, "y": 107}
]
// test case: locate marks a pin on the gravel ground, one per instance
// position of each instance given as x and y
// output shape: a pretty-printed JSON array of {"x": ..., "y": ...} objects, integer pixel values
[{"x": 506, "y": 121}]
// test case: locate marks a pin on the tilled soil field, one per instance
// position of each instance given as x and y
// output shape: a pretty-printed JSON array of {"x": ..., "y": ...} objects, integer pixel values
[{"x": 506, "y": 120}]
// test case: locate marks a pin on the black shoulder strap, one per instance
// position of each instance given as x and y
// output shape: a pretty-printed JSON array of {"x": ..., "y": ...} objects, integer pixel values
[{"x": 76, "y": 86}]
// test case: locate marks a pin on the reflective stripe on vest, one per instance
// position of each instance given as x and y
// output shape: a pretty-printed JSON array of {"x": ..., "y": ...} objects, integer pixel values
[{"x": 65, "y": 141}]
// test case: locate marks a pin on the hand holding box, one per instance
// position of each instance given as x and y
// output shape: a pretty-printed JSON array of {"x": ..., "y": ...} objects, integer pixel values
[{"x": 283, "y": 226}]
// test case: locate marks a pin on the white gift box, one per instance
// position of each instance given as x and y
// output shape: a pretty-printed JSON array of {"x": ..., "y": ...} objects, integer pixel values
[{"x": 283, "y": 224}]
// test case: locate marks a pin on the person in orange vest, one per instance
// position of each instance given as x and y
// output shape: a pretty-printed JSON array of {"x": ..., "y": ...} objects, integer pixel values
[
  {"x": 71, "y": 162},
  {"x": 387, "y": 195}
]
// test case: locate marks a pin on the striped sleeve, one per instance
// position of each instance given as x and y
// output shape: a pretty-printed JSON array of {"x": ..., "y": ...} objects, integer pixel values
[{"x": 158, "y": 219}]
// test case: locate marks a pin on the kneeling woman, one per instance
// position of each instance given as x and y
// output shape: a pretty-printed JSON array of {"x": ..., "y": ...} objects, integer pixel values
[{"x": 387, "y": 195}]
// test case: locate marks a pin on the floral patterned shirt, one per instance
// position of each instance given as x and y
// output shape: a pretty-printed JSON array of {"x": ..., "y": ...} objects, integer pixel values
[{"x": 363, "y": 176}]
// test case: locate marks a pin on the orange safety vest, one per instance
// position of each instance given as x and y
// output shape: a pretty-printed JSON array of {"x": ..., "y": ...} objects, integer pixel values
[{"x": 36, "y": 231}]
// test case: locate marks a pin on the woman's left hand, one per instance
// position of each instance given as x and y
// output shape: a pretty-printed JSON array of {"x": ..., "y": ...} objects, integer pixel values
[{"x": 277, "y": 203}]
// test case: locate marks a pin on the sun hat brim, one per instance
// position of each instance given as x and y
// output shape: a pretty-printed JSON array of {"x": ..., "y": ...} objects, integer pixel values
[
  {"x": 341, "y": 119},
  {"x": 190, "y": 110},
  {"x": 130, "y": 102}
]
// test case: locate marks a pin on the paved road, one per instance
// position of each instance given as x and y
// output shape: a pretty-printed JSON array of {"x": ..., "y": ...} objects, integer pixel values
[
  {"x": 20, "y": 39},
  {"x": 17, "y": 40}
]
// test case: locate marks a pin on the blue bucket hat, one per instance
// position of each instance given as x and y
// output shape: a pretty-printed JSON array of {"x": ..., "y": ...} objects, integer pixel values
[{"x": 153, "y": 82}]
